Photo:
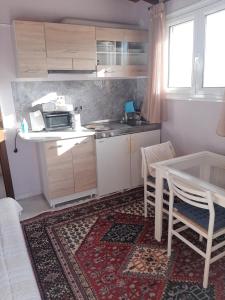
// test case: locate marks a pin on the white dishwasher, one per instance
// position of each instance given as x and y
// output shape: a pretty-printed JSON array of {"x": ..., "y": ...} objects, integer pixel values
[{"x": 113, "y": 164}]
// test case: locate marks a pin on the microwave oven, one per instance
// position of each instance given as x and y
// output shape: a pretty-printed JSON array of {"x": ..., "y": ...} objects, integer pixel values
[{"x": 58, "y": 120}]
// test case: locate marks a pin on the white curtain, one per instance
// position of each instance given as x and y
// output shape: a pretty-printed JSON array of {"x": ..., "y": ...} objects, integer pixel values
[{"x": 155, "y": 94}]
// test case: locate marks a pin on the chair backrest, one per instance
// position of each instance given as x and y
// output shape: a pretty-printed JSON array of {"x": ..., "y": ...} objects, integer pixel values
[
  {"x": 187, "y": 191},
  {"x": 156, "y": 153}
]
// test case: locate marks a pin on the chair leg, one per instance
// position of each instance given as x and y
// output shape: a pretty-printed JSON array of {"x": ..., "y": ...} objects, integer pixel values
[
  {"x": 170, "y": 226},
  {"x": 169, "y": 240},
  {"x": 146, "y": 208},
  {"x": 207, "y": 262},
  {"x": 145, "y": 201}
]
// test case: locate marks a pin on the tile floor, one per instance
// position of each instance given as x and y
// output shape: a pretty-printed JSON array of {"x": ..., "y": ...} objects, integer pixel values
[
  {"x": 2, "y": 187},
  {"x": 35, "y": 205}
]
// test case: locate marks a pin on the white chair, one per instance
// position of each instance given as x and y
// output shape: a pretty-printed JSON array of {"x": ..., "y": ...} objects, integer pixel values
[
  {"x": 195, "y": 210},
  {"x": 150, "y": 155}
]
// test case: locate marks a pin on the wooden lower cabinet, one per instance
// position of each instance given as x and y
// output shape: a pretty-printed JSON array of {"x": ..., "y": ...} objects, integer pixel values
[
  {"x": 137, "y": 141},
  {"x": 68, "y": 168},
  {"x": 84, "y": 164}
]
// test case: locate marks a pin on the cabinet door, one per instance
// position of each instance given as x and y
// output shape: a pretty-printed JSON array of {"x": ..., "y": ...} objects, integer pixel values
[
  {"x": 138, "y": 140},
  {"x": 72, "y": 41},
  {"x": 84, "y": 164},
  {"x": 59, "y": 164},
  {"x": 111, "y": 71},
  {"x": 121, "y": 52},
  {"x": 109, "y": 34},
  {"x": 30, "y": 49},
  {"x": 113, "y": 164},
  {"x": 122, "y": 71},
  {"x": 136, "y": 36},
  {"x": 59, "y": 63}
]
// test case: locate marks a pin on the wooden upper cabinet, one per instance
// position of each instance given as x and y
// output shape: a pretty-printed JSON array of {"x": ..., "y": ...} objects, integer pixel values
[
  {"x": 76, "y": 42},
  {"x": 135, "y": 36},
  {"x": 109, "y": 34},
  {"x": 30, "y": 49},
  {"x": 121, "y": 35},
  {"x": 42, "y": 47},
  {"x": 59, "y": 63}
]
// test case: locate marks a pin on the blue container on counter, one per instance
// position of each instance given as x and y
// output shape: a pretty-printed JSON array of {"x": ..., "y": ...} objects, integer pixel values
[{"x": 129, "y": 106}]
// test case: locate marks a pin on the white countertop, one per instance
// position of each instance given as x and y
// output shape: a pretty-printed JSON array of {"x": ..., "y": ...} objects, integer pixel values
[{"x": 45, "y": 136}]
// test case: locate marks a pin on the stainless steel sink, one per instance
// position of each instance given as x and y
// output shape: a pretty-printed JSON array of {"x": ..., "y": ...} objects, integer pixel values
[
  {"x": 137, "y": 123},
  {"x": 115, "y": 128}
]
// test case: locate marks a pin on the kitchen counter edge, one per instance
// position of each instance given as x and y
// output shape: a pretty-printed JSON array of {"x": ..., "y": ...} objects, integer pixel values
[{"x": 64, "y": 135}]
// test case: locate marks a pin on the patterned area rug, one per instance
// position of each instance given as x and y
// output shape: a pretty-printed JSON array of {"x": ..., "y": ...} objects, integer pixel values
[{"x": 106, "y": 250}]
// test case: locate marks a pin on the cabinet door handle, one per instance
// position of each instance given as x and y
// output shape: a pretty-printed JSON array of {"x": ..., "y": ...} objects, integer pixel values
[
  {"x": 55, "y": 147},
  {"x": 71, "y": 51},
  {"x": 129, "y": 144},
  {"x": 81, "y": 143}
]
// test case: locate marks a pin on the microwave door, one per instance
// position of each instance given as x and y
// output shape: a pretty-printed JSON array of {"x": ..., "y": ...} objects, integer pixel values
[{"x": 57, "y": 121}]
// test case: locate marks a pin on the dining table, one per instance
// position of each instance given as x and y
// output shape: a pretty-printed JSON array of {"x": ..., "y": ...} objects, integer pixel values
[{"x": 205, "y": 169}]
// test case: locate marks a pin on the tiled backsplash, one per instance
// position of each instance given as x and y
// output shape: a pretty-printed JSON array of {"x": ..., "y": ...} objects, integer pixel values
[{"x": 101, "y": 99}]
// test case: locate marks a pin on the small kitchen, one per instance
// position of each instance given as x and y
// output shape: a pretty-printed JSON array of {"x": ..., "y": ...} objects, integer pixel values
[{"x": 84, "y": 114}]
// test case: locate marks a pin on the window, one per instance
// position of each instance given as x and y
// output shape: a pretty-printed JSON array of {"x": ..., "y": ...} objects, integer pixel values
[
  {"x": 214, "y": 69},
  {"x": 196, "y": 53},
  {"x": 181, "y": 54}
]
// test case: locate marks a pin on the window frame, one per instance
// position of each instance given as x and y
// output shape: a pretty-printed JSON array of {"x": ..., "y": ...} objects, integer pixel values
[{"x": 196, "y": 91}]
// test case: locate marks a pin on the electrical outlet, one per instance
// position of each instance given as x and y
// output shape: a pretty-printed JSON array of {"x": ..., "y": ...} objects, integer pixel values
[{"x": 61, "y": 100}]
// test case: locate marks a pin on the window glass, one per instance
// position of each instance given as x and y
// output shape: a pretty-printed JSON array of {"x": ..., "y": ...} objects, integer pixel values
[
  {"x": 214, "y": 68},
  {"x": 181, "y": 55}
]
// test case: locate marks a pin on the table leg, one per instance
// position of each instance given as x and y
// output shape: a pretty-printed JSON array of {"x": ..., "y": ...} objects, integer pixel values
[{"x": 158, "y": 205}]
